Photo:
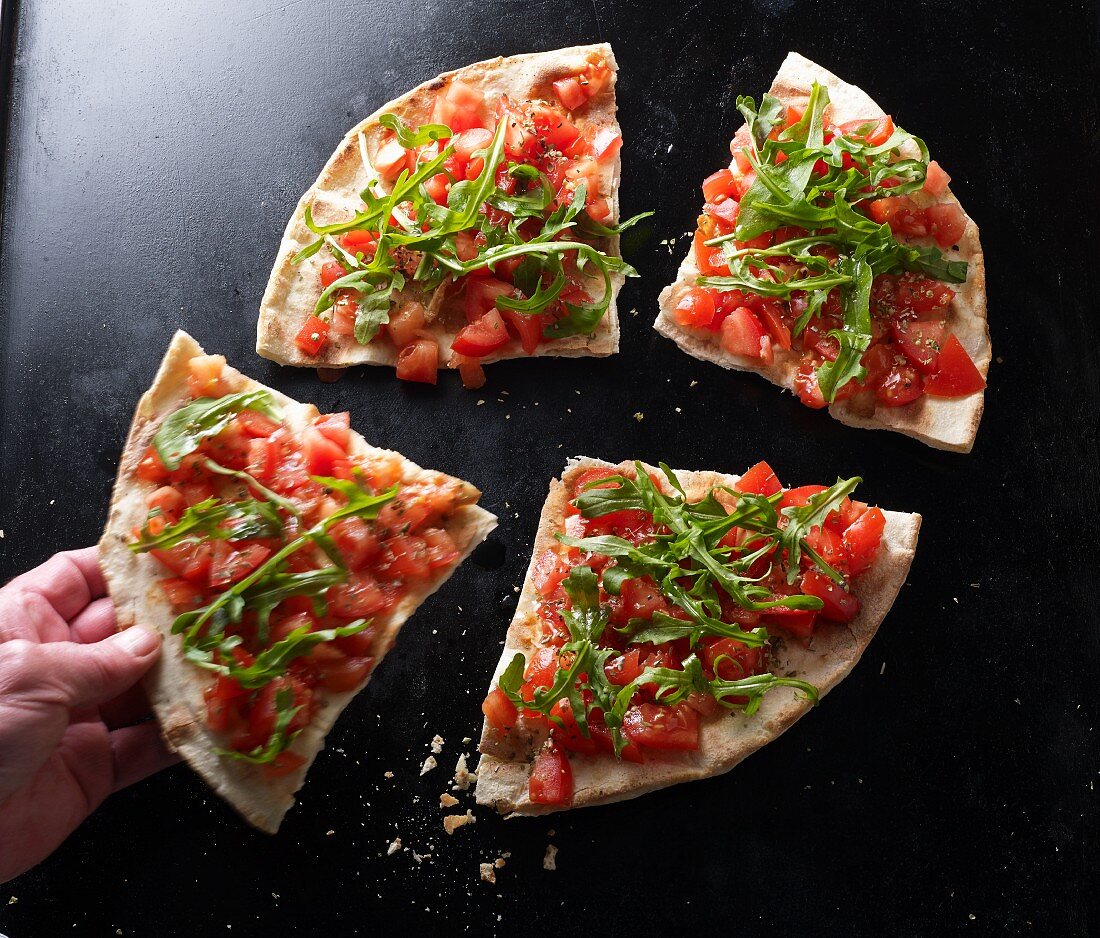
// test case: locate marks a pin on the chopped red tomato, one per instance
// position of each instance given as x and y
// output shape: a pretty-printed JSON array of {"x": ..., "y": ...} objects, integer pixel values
[
  {"x": 526, "y": 327},
  {"x": 935, "y": 179},
  {"x": 759, "y": 480},
  {"x": 482, "y": 337},
  {"x": 406, "y": 323},
  {"x": 840, "y": 605},
  {"x": 659, "y": 727},
  {"x": 956, "y": 374},
  {"x": 875, "y": 131},
  {"x": 743, "y": 335},
  {"x": 570, "y": 93},
  {"x": 551, "y": 778},
  {"x": 862, "y": 538},
  {"x": 499, "y": 710},
  {"x": 419, "y": 361},
  {"x": 230, "y": 564},
  {"x": 550, "y": 570},
  {"x": 695, "y": 309},
  {"x": 920, "y": 341},
  {"x": 330, "y": 273},
  {"x": 313, "y": 336},
  {"x": 946, "y": 223}
]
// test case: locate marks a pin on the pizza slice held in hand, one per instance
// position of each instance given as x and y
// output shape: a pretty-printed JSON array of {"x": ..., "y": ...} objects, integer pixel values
[
  {"x": 832, "y": 258},
  {"x": 278, "y": 554},
  {"x": 674, "y": 622},
  {"x": 474, "y": 218}
]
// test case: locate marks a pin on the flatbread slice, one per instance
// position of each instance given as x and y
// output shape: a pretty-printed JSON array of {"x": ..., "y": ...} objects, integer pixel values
[
  {"x": 944, "y": 423},
  {"x": 504, "y": 770},
  {"x": 294, "y": 288},
  {"x": 175, "y": 686}
]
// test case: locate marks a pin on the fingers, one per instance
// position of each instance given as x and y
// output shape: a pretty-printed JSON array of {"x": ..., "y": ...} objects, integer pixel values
[
  {"x": 29, "y": 616},
  {"x": 75, "y": 675},
  {"x": 131, "y": 707},
  {"x": 95, "y": 623},
  {"x": 68, "y": 581},
  {"x": 138, "y": 752}
]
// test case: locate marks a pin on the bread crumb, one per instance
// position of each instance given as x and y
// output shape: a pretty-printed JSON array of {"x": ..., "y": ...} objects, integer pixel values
[
  {"x": 499, "y": 862},
  {"x": 487, "y": 873},
  {"x": 550, "y": 861},
  {"x": 387, "y": 774},
  {"x": 639, "y": 416},
  {"x": 428, "y": 765},
  {"x": 447, "y": 801},
  {"x": 394, "y": 846},
  {"x": 453, "y": 822},
  {"x": 463, "y": 776},
  {"x": 437, "y": 744}
]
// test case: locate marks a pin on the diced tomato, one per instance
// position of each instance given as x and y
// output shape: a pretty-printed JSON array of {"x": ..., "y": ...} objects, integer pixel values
[
  {"x": 901, "y": 213},
  {"x": 419, "y": 361},
  {"x": 828, "y": 545},
  {"x": 359, "y": 598},
  {"x": 458, "y": 107},
  {"x": 709, "y": 260},
  {"x": 222, "y": 703},
  {"x": 743, "y": 335},
  {"x": 800, "y": 497},
  {"x": 541, "y": 668},
  {"x": 482, "y": 337},
  {"x": 840, "y": 606},
  {"x": 570, "y": 93},
  {"x": 151, "y": 469},
  {"x": 189, "y": 561},
  {"x": 357, "y": 542},
  {"x": 320, "y": 452},
  {"x": 359, "y": 241},
  {"x": 606, "y": 144},
  {"x": 920, "y": 341},
  {"x": 796, "y": 622},
  {"x": 230, "y": 564},
  {"x": 639, "y": 598},
  {"x": 182, "y": 594},
  {"x": 759, "y": 480},
  {"x": 771, "y": 315},
  {"x": 499, "y": 710},
  {"x": 285, "y": 763},
  {"x": 551, "y": 778},
  {"x": 255, "y": 424},
  {"x": 936, "y": 180},
  {"x": 168, "y": 501},
  {"x": 481, "y": 296},
  {"x": 901, "y": 386},
  {"x": 442, "y": 551},
  {"x": 470, "y": 141},
  {"x": 344, "y": 313},
  {"x": 313, "y": 336},
  {"x": 625, "y": 668},
  {"x": 330, "y": 273},
  {"x": 956, "y": 374},
  {"x": 390, "y": 159},
  {"x": 550, "y": 570},
  {"x": 946, "y": 223},
  {"x": 656, "y": 726},
  {"x": 337, "y": 427},
  {"x": 599, "y": 210},
  {"x": 725, "y": 212},
  {"x": 263, "y": 456},
  {"x": 721, "y": 183},
  {"x": 345, "y": 673},
  {"x": 405, "y": 323},
  {"x": 405, "y": 557},
  {"x": 526, "y": 326},
  {"x": 204, "y": 376},
  {"x": 875, "y": 131},
  {"x": 569, "y": 735},
  {"x": 861, "y": 539},
  {"x": 732, "y": 660},
  {"x": 473, "y": 375},
  {"x": 695, "y": 308}
]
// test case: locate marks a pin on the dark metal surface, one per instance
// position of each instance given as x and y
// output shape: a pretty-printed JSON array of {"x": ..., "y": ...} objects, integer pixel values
[{"x": 154, "y": 154}]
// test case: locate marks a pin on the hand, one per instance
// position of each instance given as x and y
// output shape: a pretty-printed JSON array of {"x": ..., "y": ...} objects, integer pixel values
[{"x": 69, "y": 709}]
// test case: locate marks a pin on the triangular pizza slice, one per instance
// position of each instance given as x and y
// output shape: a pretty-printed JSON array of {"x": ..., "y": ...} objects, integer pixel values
[
  {"x": 833, "y": 259},
  {"x": 278, "y": 554},
  {"x": 674, "y": 622},
  {"x": 473, "y": 219}
]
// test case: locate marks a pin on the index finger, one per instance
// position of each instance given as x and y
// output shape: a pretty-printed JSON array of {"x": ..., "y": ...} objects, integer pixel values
[{"x": 68, "y": 581}]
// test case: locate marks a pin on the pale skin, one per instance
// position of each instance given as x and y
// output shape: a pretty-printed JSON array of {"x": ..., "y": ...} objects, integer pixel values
[{"x": 73, "y": 724}]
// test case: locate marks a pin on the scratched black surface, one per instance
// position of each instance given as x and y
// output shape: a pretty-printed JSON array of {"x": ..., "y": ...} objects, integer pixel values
[{"x": 154, "y": 153}]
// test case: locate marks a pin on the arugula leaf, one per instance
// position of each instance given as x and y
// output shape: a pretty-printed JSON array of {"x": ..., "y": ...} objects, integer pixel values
[
  {"x": 855, "y": 338},
  {"x": 274, "y": 660},
  {"x": 587, "y": 619},
  {"x": 184, "y": 430},
  {"x": 408, "y": 138},
  {"x": 280, "y": 738},
  {"x": 214, "y": 520},
  {"x": 802, "y": 519}
]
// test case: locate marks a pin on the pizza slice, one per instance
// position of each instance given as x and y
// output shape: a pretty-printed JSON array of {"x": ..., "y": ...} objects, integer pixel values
[
  {"x": 473, "y": 219},
  {"x": 278, "y": 554},
  {"x": 833, "y": 259},
  {"x": 674, "y": 622}
]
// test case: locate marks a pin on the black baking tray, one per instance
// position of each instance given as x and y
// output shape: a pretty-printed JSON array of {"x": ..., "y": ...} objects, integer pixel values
[{"x": 153, "y": 154}]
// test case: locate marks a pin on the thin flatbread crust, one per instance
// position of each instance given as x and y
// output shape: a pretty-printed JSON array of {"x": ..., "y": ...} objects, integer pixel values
[
  {"x": 945, "y": 423},
  {"x": 292, "y": 289},
  {"x": 174, "y": 686},
  {"x": 502, "y": 779}
]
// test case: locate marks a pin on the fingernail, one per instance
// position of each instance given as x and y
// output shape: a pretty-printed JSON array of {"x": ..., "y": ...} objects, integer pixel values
[{"x": 137, "y": 641}]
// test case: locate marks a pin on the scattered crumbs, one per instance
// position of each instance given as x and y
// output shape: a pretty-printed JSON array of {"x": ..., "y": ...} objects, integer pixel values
[
  {"x": 956, "y": 598},
  {"x": 387, "y": 774},
  {"x": 507, "y": 416},
  {"x": 1016, "y": 700},
  {"x": 394, "y": 846},
  {"x": 479, "y": 403},
  {"x": 972, "y": 916},
  {"x": 633, "y": 312},
  {"x": 447, "y": 801},
  {"x": 678, "y": 410},
  {"x": 693, "y": 384},
  {"x": 639, "y": 416},
  {"x": 1000, "y": 361},
  {"x": 882, "y": 670},
  {"x": 1, "y": 532},
  {"x": 329, "y": 833},
  {"x": 487, "y": 873},
  {"x": 463, "y": 776},
  {"x": 13, "y": 900},
  {"x": 274, "y": 895},
  {"x": 453, "y": 822},
  {"x": 972, "y": 585},
  {"x": 428, "y": 765},
  {"x": 437, "y": 744},
  {"x": 466, "y": 740},
  {"x": 52, "y": 500},
  {"x": 550, "y": 861}
]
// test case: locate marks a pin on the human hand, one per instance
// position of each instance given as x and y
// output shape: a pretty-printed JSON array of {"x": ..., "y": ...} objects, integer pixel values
[{"x": 69, "y": 706}]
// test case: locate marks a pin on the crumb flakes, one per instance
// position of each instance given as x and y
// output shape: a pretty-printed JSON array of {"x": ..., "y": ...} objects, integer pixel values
[
  {"x": 437, "y": 744},
  {"x": 387, "y": 774},
  {"x": 394, "y": 846},
  {"x": 453, "y": 822},
  {"x": 428, "y": 765},
  {"x": 447, "y": 801},
  {"x": 13, "y": 900},
  {"x": 550, "y": 861},
  {"x": 639, "y": 416},
  {"x": 329, "y": 833},
  {"x": 487, "y": 873}
]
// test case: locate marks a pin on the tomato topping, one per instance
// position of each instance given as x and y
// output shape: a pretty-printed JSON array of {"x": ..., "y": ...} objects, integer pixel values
[
  {"x": 230, "y": 564},
  {"x": 570, "y": 93},
  {"x": 935, "y": 179},
  {"x": 549, "y": 570},
  {"x": 742, "y": 335},
  {"x": 946, "y": 223},
  {"x": 285, "y": 763},
  {"x": 551, "y": 778},
  {"x": 482, "y": 337},
  {"x": 406, "y": 322},
  {"x": 659, "y": 727},
  {"x": 204, "y": 374},
  {"x": 526, "y": 327},
  {"x": 920, "y": 341},
  {"x": 419, "y": 361},
  {"x": 862, "y": 538},
  {"x": 956, "y": 375},
  {"x": 330, "y": 273},
  {"x": 473, "y": 375},
  {"x": 759, "y": 480},
  {"x": 695, "y": 308},
  {"x": 875, "y": 131},
  {"x": 390, "y": 159},
  {"x": 499, "y": 710},
  {"x": 840, "y": 605},
  {"x": 313, "y": 336}
]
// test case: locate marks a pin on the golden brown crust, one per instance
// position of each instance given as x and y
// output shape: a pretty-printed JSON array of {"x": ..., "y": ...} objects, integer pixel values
[
  {"x": 174, "y": 686},
  {"x": 292, "y": 289},
  {"x": 945, "y": 423},
  {"x": 503, "y": 775}
]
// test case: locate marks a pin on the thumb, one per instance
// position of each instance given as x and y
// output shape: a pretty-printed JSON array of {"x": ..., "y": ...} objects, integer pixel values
[{"x": 90, "y": 675}]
